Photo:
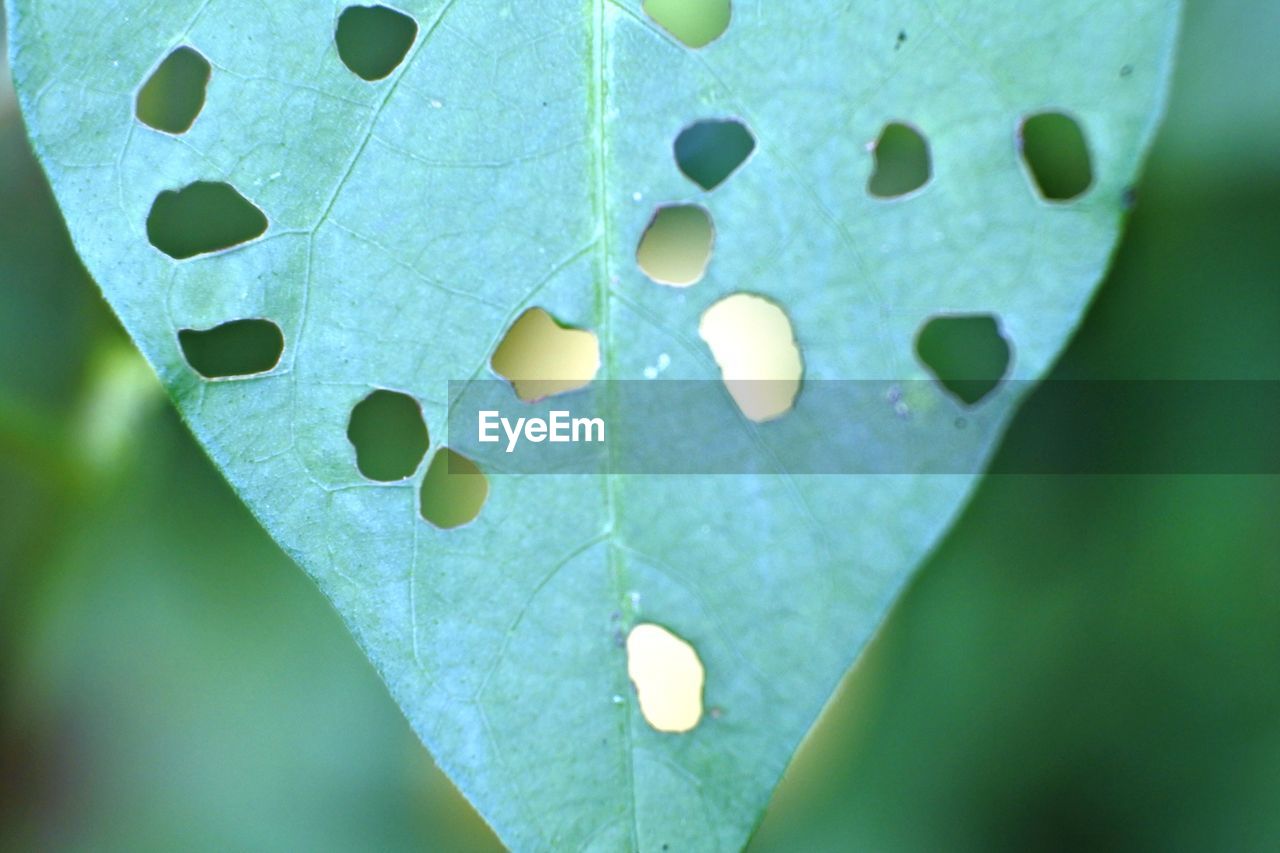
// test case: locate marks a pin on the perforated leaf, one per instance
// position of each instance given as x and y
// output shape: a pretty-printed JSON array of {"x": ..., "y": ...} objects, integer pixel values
[{"x": 512, "y": 158}]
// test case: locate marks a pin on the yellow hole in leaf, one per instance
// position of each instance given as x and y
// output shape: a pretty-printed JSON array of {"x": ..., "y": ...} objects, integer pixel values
[
  {"x": 697, "y": 23},
  {"x": 540, "y": 358},
  {"x": 668, "y": 677},
  {"x": 752, "y": 341},
  {"x": 453, "y": 491},
  {"x": 676, "y": 247}
]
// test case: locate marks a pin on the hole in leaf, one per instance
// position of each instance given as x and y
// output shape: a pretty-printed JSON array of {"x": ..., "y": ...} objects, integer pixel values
[
  {"x": 174, "y": 95},
  {"x": 389, "y": 435},
  {"x": 374, "y": 40},
  {"x": 902, "y": 162},
  {"x": 695, "y": 22},
  {"x": 453, "y": 491},
  {"x": 752, "y": 341},
  {"x": 238, "y": 348},
  {"x": 201, "y": 218},
  {"x": 708, "y": 152},
  {"x": 1057, "y": 156},
  {"x": 967, "y": 354},
  {"x": 541, "y": 358},
  {"x": 668, "y": 676},
  {"x": 676, "y": 247}
]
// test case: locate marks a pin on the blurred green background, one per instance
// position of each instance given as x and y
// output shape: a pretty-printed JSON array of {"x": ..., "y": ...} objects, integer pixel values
[{"x": 1087, "y": 662}]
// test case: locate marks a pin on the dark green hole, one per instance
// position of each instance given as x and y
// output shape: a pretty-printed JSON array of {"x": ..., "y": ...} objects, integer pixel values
[
  {"x": 374, "y": 40},
  {"x": 694, "y": 22},
  {"x": 173, "y": 96},
  {"x": 1057, "y": 156},
  {"x": 967, "y": 354},
  {"x": 453, "y": 491},
  {"x": 708, "y": 152},
  {"x": 238, "y": 348},
  {"x": 203, "y": 217},
  {"x": 902, "y": 162},
  {"x": 389, "y": 435}
]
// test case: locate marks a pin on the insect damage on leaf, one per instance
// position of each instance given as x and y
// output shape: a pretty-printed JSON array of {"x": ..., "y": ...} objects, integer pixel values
[
  {"x": 203, "y": 217},
  {"x": 373, "y": 40},
  {"x": 676, "y": 247},
  {"x": 902, "y": 162},
  {"x": 453, "y": 491},
  {"x": 711, "y": 150},
  {"x": 752, "y": 341},
  {"x": 1056, "y": 155},
  {"x": 668, "y": 677},
  {"x": 174, "y": 95},
  {"x": 967, "y": 354},
  {"x": 388, "y": 434},
  {"x": 412, "y": 195},
  {"x": 235, "y": 349},
  {"x": 696, "y": 23},
  {"x": 541, "y": 358}
]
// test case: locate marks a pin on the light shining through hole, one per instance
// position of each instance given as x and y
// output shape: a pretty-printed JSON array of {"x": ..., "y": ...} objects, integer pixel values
[{"x": 668, "y": 676}]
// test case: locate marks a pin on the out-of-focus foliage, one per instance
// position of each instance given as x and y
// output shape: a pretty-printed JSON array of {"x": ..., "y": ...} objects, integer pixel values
[{"x": 1086, "y": 662}]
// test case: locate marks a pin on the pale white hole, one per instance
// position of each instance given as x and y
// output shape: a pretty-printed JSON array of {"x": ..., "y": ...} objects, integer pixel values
[
  {"x": 752, "y": 341},
  {"x": 668, "y": 676}
]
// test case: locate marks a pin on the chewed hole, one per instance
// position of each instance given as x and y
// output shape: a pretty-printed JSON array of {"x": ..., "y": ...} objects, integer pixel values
[
  {"x": 903, "y": 163},
  {"x": 1057, "y": 156},
  {"x": 752, "y": 341},
  {"x": 967, "y": 354},
  {"x": 173, "y": 96},
  {"x": 374, "y": 40},
  {"x": 453, "y": 491},
  {"x": 708, "y": 152},
  {"x": 238, "y": 348},
  {"x": 676, "y": 247},
  {"x": 540, "y": 358},
  {"x": 389, "y": 435},
  {"x": 695, "y": 22},
  {"x": 668, "y": 676},
  {"x": 201, "y": 218}
]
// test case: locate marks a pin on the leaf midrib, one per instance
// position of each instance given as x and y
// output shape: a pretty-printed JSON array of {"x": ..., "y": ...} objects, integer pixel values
[{"x": 597, "y": 117}]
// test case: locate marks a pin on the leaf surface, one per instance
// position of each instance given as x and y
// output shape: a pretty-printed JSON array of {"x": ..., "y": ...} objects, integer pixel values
[{"x": 513, "y": 160}]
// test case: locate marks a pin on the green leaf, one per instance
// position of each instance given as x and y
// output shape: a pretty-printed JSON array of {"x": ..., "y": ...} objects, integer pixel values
[{"x": 513, "y": 160}]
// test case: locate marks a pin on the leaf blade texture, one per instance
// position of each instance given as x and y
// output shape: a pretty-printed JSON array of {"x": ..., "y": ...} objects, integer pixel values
[{"x": 513, "y": 161}]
